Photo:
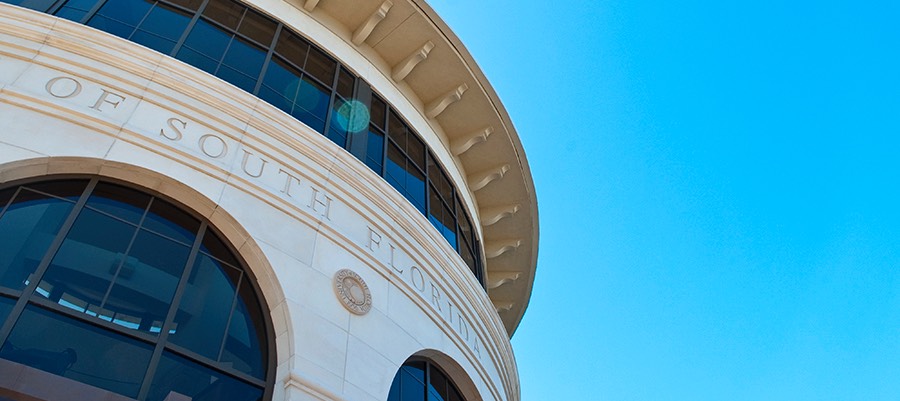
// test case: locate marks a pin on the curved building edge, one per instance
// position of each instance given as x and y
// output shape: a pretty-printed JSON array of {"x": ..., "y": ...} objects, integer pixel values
[{"x": 70, "y": 79}]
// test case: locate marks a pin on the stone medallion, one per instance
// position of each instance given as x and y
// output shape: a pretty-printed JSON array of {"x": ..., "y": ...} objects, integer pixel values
[{"x": 352, "y": 291}]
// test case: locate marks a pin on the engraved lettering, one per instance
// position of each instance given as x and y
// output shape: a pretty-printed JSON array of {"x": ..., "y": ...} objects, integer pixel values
[
  {"x": 287, "y": 182},
  {"x": 315, "y": 202},
  {"x": 215, "y": 153},
  {"x": 262, "y": 165},
  {"x": 436, "y": 297},
  {"x": 463, "y": 327},
  {"x": 450, "y": 308},
  {"x": 104, "y": 99},
  {"x": 421, "y": 285},
  {"x": 374, "y": 240},
  {"x": 63, "y": 87},
  {"x": 171, "y": 123},
  {"x": 399, "y": 271},
  {"x": 476, "y": 348}
]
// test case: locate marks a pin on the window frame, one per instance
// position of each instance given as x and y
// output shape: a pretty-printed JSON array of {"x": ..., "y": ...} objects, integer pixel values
[{"x": 160, "y": 343}]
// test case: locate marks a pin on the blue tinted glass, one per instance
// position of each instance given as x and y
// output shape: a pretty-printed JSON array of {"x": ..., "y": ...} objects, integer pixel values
[
  {"x": 124, "y": 203},
  {"x": 411, "y": 389},
  {"x": 415, "y": 185},
  {"x": 145, "y": 284},
  {"x": 310, "y": 119},
  {"x": 244, "y": 57},
  {"x": 71, "y": 14},
  {"x": 202, "y": 315},
  {"x": 236, "y": 78},
  {"x": 166, "y": 22},
  {"x": 75, "y": 10},
  {"x": 275, "y": 99},
  {"x": 283, "y": 79},
  {"x": 337, "y": 136},
  {"x": 168, "y": 220},
  {"x": 129, "y": 12},
  {"x": 197, "y": 60},
  {"x": 394, "y": 393},
  {"x": 375, "y": 151},
  {"x": 153, "y": 41},
  {"x": 415, "y": 370},
  {"x": 114, "y": 27},
  {"x": 6, "y": 306},
  {"x": 83, "y": 268},
  {"x": 246, "y": 334},
  {"x": 178, "y": 376},
  {"x": 207, "y": 39},
  {"x": 27, "y": 228},
  {"x": 39, "y": 5},
  {"x": 84, "y": 5},
  {"x": 77, "y": 350},
  {"x": 313, "y": 98}
]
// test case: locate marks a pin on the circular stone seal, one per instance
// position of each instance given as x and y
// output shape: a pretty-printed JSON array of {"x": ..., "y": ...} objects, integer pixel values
[{"x": 352, "y": 291}]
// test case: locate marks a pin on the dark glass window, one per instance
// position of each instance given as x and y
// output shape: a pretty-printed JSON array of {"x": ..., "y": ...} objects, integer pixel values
[
  {"x": 181, "y": 376},
  {"x": 27, "y": 227},
  {"x": 85, "y": 353},
  {"x": 38, "y": 5},
  {"x": 235, "y": 43},
  {"x": 421, "y": 381},
  {"x": 112, "y": 270},
  {"x": 375, "y": 151},
  {"x": 74, "y": 10},
  {"x": 6, "y": 305}
]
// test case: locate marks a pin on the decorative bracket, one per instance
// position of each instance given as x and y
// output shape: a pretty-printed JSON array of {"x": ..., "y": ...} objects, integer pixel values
[
  {"x": 438, "y": 106},
  {"x": 502, "y": 306},
  {"x": 495, "y": 249},
  {"x": 500, "y": 278},
  {"x": 401, "y": 70},
  {"x": 366, "y": 28},
  {"x": 310, "y": 5},
  {"x": 480, "y": 180},
  {"x": 465, "y": 143},
  {"x": 491, "y": 216}
]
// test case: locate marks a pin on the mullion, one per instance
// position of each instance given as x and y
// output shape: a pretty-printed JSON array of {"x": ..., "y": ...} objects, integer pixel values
[
  {"x": 208, "y": 363},
  {"x": 234, "y": 300},
  {"x": 190, "y": 27},
  {"x": 134, "y": 236},
  {"x": 137, "y": 27},
  {"x": 10, "y": 201},
  {"x": 269, "y": 53},
  {"x": 73, "y": 314},
  {"x": 173, "y": 310},
  {"x": 6, "y": 328}
]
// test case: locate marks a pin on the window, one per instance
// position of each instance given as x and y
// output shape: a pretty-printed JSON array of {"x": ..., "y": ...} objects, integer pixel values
[
  {"x": 263, "y": 57},
  {"x": 420, "y": 380},
  {"x": 123, "y": 291}
]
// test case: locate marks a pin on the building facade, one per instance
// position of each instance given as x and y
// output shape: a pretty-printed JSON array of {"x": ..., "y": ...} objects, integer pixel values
[{"x": 245, "y": 200}]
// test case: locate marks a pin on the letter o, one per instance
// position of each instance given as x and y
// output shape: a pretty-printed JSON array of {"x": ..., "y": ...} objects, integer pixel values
[
  {"x": 413, "y": 271},
  {"x": 52, "y": 84},
  {"x": 221, "y": 152}
]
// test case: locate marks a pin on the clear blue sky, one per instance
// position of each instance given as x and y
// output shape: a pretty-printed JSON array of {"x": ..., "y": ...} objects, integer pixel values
[{"x": 719, "y": 190}]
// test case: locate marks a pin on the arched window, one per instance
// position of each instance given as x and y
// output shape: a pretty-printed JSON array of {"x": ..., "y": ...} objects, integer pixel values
[
  {"x": 120, "y": 291},
  {"x": 421, "y": 380}
]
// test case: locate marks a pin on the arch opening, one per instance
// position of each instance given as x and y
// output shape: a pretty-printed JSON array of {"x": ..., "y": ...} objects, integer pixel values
[
  {"x": 420, "y": 378},
  {"x": 109, "y": 291}
]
